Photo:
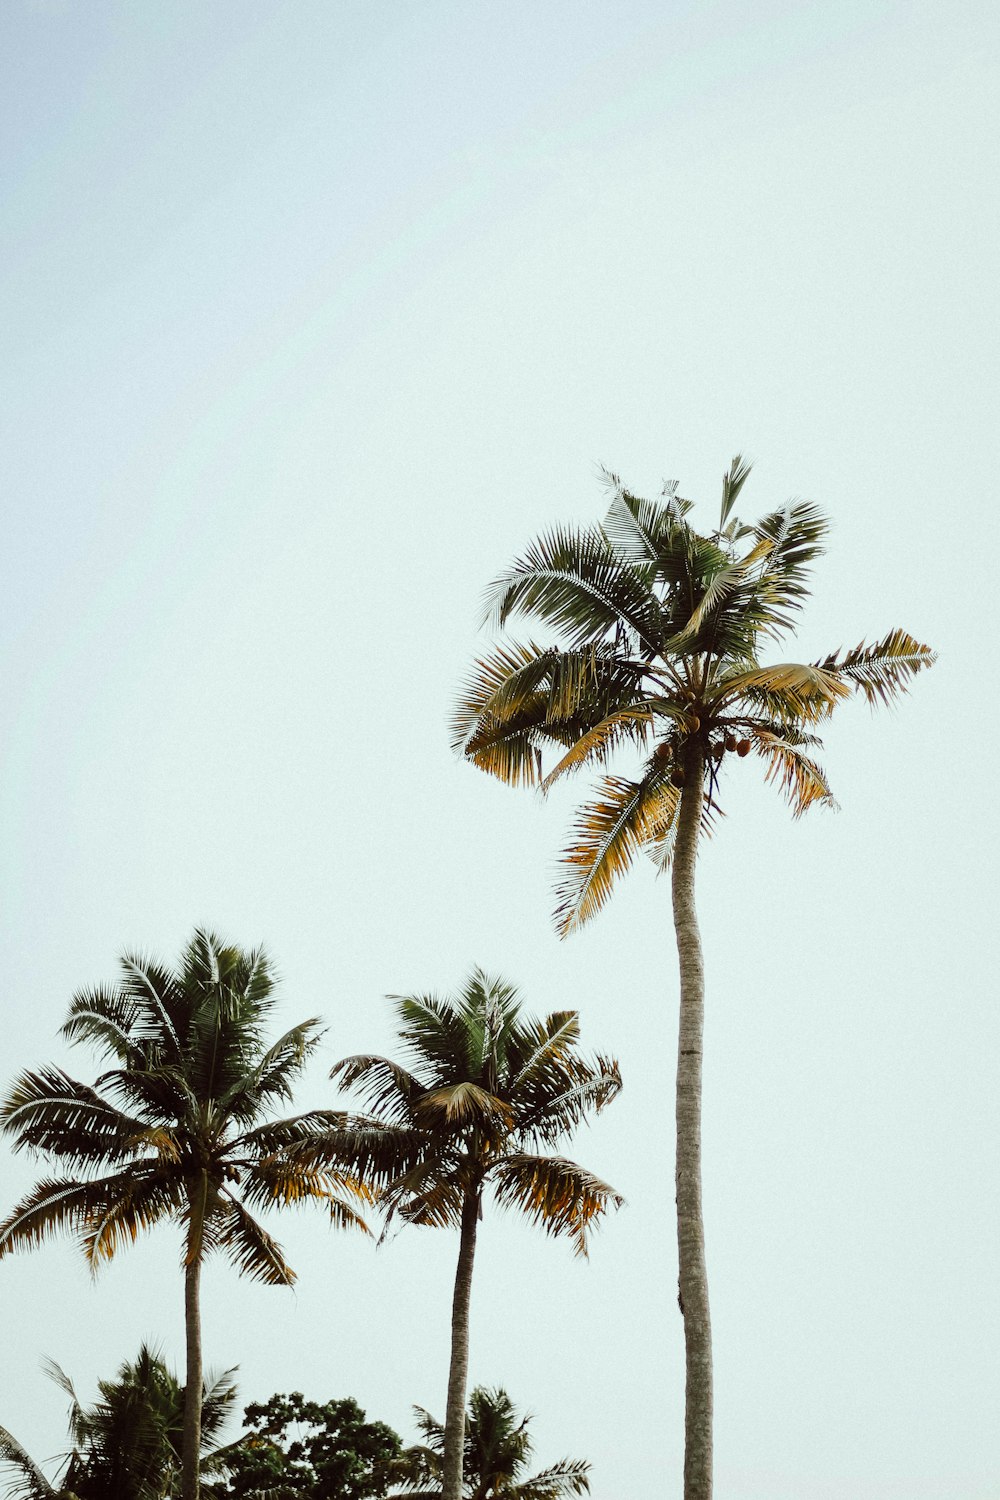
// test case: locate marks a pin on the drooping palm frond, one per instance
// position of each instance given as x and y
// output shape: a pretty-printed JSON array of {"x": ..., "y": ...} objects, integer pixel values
[
  {"x": 49, "y": 1111},
  {"x": 465, "y": 1103},
  {"x": 797, "y": 775},
  {"x": 521, "y": 700},
  {"x": 557, "y": 1195},
  {"x": 289, "y": 1179},
  {"x": 384, "y": 1086},
  {"x": 631, "y": 725},
  {"x": 254, "y": 1252},
  {"x": 64, "y": 1205},
  {"x": 606, "y": 836},
  {"x": 124, "y": 1205}
]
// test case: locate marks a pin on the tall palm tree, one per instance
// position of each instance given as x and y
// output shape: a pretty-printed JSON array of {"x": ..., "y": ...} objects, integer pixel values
[
  {"x": 487, "y": 1088},
  {"x": 655, "y": 638},
  {"x": 127, "y": 1446},
  {"x": 179, "y": 1127},
  {"x": 498, "y": 1449}
]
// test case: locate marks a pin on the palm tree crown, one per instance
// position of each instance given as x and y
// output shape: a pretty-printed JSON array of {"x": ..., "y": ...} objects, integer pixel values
[
  {"x": 498, "y": 1450},
  {"x": 486, "y": 1089},
  {"x": 185, "y": 1108},
  {"x": 178, "y": 1127},
  {"x": 127, "y": 1446},
  {"x": 658, "y": 631}
]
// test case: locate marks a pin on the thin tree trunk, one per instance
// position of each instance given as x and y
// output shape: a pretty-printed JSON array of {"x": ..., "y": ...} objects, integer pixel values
[
  {"x": 193, "y": 1384},
  {"x": 693, "y": 1277},
  {"x": 458, "y": 1375}
]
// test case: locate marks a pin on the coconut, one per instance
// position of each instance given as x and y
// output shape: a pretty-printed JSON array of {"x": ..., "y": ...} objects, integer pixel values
[{"x": 743, "y": 748}]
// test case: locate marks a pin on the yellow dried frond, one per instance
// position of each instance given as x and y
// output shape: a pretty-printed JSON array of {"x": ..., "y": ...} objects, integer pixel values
[
  {"x": 607, "y": 834},
  {"x": 800, "y": 778},
  {"x": 809, "y": 687},
  {"x": 627, "y": 723}
]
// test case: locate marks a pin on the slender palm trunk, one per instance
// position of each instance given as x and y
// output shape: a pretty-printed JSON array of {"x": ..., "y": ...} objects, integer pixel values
[
  {"x": 693, "y": 1278},
  {"x": 458, "y": 1375},
  {"x": 191, "y": 1441}
]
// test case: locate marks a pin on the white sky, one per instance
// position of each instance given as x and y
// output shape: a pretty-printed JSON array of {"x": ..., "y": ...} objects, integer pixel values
[{"x": 314, "y": 315}]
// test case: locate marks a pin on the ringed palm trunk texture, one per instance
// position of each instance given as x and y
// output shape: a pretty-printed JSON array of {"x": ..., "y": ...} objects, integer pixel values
[
  {"x": 191, "y": 1441},
  {"x": 693, "y": 1277},
  {"x": 458, "y": 1374}
]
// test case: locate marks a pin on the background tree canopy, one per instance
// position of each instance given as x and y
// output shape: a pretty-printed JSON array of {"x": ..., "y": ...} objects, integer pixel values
[{"x": 297, "y": 1448}]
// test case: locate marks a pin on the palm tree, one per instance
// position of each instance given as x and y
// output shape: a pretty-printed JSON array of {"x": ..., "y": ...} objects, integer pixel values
[
  {"x": 128, "y": 1445},
  {"x": 498, "y": 1449},
  {"x": 179, "y": 1127},
  {"x": 488, "y": 1088},
  {"x": 657, "y": 632}
]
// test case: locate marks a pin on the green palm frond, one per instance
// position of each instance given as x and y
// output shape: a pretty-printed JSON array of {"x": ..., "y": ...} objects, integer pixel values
[
  {"x": 883, "y": 670},
  {"x": 557, "y": 1195},
  {"x": 426, "y": 1198},
  {"x": 542, "y": 1044},
  {"x": 276, "y": 1137},
  {"x": 106, "y": 1019},
  {"x": 567, "y": 1095},
  {"x": 579, "y": 585},
  {"x": 606, "y": 836},
  {"x": 124, "y": 1205},
  {"x": 385, "y": 1087},
  {"x": 571, "y": 1476},
  {"x": 794, "y": 535},
  {"x": 733, "y": 481},
  {"x": 643, "y": 531},
  {"x": 274, "y": 1075},
  {"x": 29, "y": 1483},
  {"x": 49, "y": 1111},
  {"x": 254, "y": 1252},
  {"x": 523, "y": 699},
  {"x": 158, "y": 1005},
  {"x": 437, "y": 1038},
  {"x": 374, "y": 1154}
]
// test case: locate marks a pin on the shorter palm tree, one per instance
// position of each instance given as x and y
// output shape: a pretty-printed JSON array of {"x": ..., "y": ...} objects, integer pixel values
[
  {"x": 127, "y": 1446},
  {"x": 497, "y": 1451},
  {"x": 179, "y": 1127},
  {"x": 488, "y": 1088}
]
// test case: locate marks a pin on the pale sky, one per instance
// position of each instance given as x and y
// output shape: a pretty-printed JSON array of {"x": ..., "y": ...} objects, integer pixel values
[{"x": 315, "y": 314}]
